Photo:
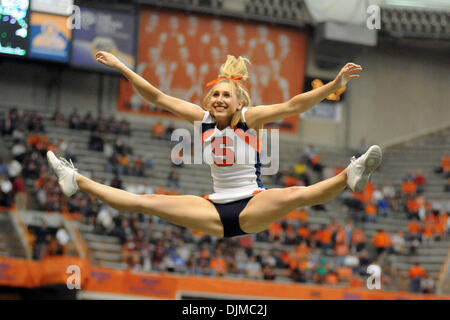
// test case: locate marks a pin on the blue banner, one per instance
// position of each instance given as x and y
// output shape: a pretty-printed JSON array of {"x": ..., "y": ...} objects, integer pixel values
[{"x": 109, "y": 31}]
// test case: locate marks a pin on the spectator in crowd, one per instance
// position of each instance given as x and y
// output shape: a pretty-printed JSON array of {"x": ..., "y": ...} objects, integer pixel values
[
  {"x": 124, "y": 163},
  {"x": 445, "y": 166},
  {"x": 58, "y": 117},
  {"x": 63, "y": 240},
  {"x": 412, "y": 208},
  {"x": 413, "y": 246},
  {"x": 416, "y": 274},
  {"x": 112, "y": 165},
  {"x": 301, "y": 171},
  {"x": 414, "y": 229},
  {"x": 43, "y": 237},
  {"x": 371, "y": 212},
  {"x": 105, "y": 221},
  {"x": 409, "y": 189},
  {"x": 88, "y": 122},
  {"x": 139, "y": 167},
  {"x": 158, "y": 131},
  {"x": 124, "y": 127},
  {"x": 3, "y": 167},
  {"x": 358, "y": 240},
  {"x": 173, "y": 179},
  {"x": 169, "y": 130},
  {"x": 20, "y": 195},
  {"x": 351, "y": 260},
  {"x": 325, "y": 239},
  {"x": 447, "y": 186},
  {"x": 420, "y": 181},
  {"x": 148, "y": 161},
  {"x": 427, "y": 232},
  {"x": 19, "y": 134},
  {"x": 96, "y": 141},
  {"x": 6, "y": 192},
  {"x": 382, "y": 242},
  {"x": 35, "y": 123},
  {"x": 74, "y": 120},
  {"x": 398, "y": 243},
  {"x": 14, "y": 168},
  {"x": 7, "y": 125},
  {"x": 218, "y": 264},
  {"x": 428, "y": 284}
]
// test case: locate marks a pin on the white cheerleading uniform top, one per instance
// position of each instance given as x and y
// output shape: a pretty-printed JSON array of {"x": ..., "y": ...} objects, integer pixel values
[{"x": 233, "y": 155}]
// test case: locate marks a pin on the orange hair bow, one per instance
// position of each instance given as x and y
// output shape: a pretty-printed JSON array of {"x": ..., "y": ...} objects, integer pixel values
[{"x": 235, "y": 80}]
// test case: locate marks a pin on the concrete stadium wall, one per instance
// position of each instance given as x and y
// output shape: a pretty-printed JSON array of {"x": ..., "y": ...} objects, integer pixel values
[{"x": 34, "y": 84}]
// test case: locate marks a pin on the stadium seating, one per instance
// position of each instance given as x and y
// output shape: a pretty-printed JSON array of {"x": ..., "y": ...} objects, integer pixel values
[{"x": 424, "y": 153}]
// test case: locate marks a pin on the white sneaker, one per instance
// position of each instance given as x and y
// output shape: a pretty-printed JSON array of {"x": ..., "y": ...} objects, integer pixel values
[
  {"x": 360, "y": 170},
  {"x": 65, "y": 172}
]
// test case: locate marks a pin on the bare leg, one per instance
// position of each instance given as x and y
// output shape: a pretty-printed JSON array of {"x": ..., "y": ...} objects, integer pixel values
[
  {"x": 273, "y": 204},
  {"x": 193, "y": 212}
]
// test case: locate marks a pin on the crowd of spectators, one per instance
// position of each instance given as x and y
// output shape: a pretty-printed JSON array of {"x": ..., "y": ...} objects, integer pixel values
[
  {"x": 29, "y": 143},
  {"x": 329, "y": 254},
  {"x": 46, "y": 241}
]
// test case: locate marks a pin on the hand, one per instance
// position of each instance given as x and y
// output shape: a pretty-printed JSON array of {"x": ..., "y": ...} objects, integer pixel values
[
  {"x": 346, "y": 74},
  {"x": 108, "y": 59}
]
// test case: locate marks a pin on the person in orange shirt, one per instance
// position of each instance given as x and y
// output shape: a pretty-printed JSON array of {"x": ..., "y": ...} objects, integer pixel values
[
  {"x": 332, "y": 278},
  {"x": 340, "y": 250},
  {"x": 218, "y": 265},
  {"x": 412, "y": 208},
  {"x": 445, "y": 166},
  {"x": 158, "y": 131},
  {"x": 124, "y": 161},
  {"x": 358, "y": 240},
  {"x": 382, "y": 241},
  {"x": 439, "y": 231},
  {"x": 416, "y": 274},
  {"x": 325, "y": 238},
  {"x": 275, "y": 231},
  {"x": 430, "y": 218},
  {"x": 427, "y": 232},
  {"x": 409, "y": 189},
  {"x": 371, "y": 212},
  {"x": 302, "y": 250},
  {"x": 339, "y": 236},
  {"x": 303, "y": 233},
  {"x": 414, "y": 230}
]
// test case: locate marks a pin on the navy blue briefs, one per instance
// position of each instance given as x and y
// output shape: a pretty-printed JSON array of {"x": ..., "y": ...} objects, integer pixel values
[{"x": 229, "y": 215}]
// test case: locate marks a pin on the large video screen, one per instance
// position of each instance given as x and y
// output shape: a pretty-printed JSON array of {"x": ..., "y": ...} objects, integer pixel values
[
  {"x": 61, "y": 7},
  {"x": 103, "y": 30},
  {"x": 14, "y": 19},
  {"x": 49, "y": 37}
]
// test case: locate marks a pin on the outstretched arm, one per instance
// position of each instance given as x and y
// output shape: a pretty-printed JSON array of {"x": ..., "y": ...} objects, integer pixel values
[
  {"x": 256, "y": 117},
  {"x": 185, "y": 110}
]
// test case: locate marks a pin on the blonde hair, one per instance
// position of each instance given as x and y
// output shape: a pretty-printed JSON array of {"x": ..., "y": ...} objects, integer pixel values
[{"x": 233, "y": 67}]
